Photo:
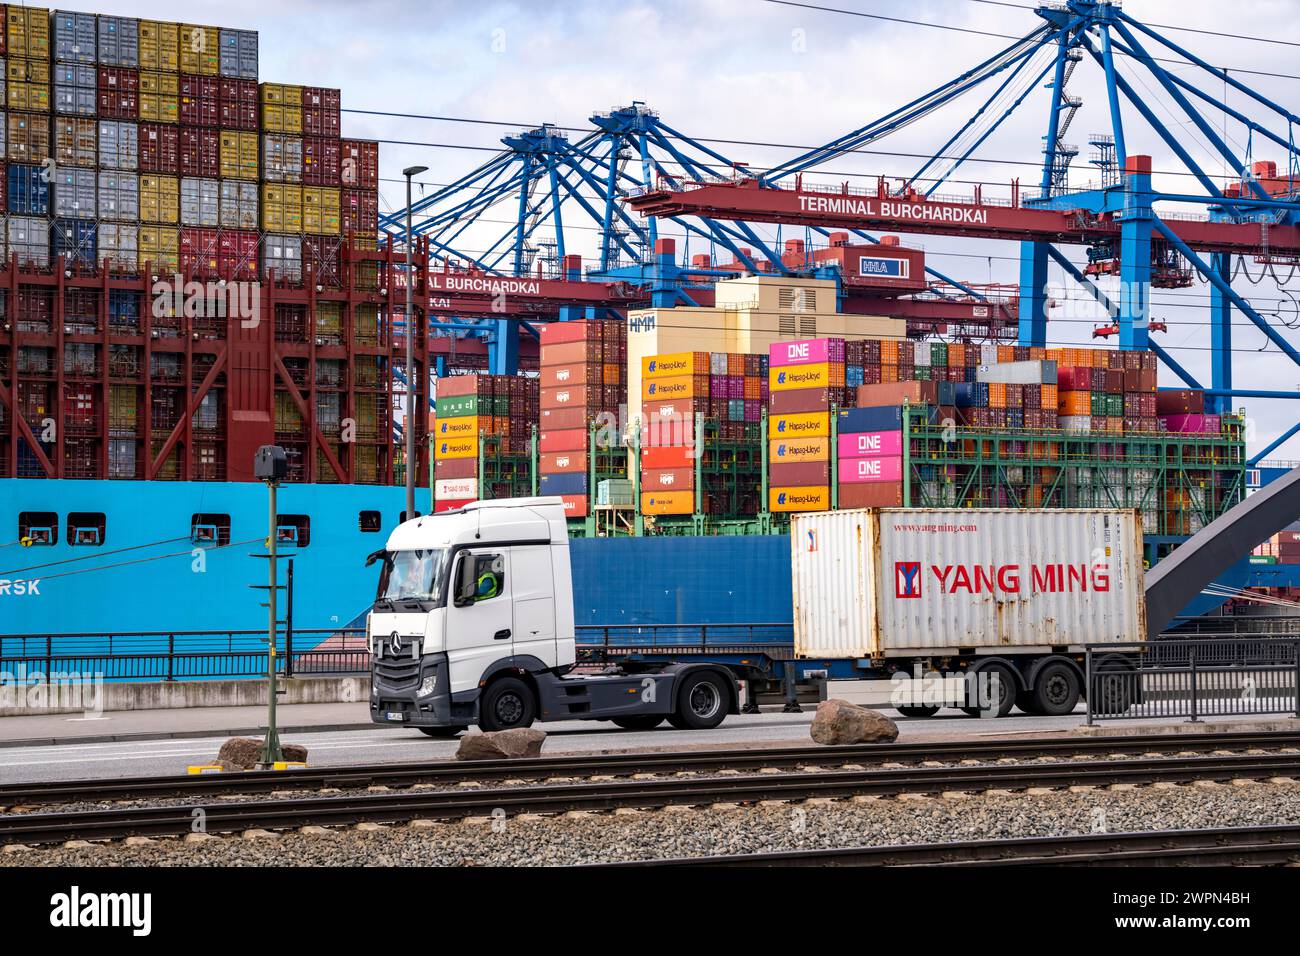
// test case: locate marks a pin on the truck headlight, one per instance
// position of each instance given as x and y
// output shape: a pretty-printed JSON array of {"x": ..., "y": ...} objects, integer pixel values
[{"x": 427, "y": 686}]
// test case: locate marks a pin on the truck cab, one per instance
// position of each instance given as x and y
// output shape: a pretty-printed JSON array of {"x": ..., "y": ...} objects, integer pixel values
[{"x": 473, "y": 623}]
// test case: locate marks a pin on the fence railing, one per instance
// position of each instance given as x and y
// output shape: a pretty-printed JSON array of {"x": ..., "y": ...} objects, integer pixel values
[
  {"x": 1228, "y": 676},
  {"x": 182, "y": 655}
]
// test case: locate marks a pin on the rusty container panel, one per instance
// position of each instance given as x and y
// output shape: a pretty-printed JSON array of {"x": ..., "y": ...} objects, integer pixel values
[{"x": 935, "y": 582}]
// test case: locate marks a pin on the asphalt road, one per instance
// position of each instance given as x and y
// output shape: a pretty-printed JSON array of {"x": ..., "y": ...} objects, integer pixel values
[{"x": 70, "y": 761}]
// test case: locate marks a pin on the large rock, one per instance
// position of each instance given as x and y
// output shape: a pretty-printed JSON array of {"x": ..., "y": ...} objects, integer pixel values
[
  {"x": 501, "y": 744},
  {"x": 839, "y": 722},
  {"x": 245, "y": 753}
]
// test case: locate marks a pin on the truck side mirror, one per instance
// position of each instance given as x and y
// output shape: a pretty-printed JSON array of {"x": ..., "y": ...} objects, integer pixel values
[
  {"x": 465, "y": 582},
  {"x": 375, "y": 556}
]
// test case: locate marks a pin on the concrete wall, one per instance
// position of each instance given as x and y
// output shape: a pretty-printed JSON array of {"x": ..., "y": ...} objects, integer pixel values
[{"x": 43, "y": 700}]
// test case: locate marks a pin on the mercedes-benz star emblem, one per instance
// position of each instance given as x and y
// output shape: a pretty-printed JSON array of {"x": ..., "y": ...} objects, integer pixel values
[{"x": 395, "y": 643}]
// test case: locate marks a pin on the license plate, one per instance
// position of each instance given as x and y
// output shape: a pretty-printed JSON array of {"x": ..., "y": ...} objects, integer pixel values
[{"x": 395, "y": 715}]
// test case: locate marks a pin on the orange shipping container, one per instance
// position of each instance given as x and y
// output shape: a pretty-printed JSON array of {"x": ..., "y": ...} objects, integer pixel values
[{"x": 1074, "y": 403}]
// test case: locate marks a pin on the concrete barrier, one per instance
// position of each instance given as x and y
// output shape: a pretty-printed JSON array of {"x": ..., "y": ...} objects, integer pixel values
[{"x": 32, "y": 700}]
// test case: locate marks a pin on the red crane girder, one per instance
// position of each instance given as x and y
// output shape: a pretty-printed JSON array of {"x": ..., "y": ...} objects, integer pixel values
[
  {"x": 479, "y": 293},
  {"x": 912, "y": 213}
]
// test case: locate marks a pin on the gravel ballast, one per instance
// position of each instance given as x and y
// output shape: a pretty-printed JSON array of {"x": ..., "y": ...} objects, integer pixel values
[{"x": 587, "y": 838}]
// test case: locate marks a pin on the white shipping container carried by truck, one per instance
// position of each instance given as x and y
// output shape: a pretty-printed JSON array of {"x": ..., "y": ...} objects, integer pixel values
[{"x": 898, "y": 583}]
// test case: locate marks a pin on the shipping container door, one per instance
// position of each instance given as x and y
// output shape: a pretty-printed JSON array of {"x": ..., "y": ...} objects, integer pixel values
[{"x": 833, "y": 561}]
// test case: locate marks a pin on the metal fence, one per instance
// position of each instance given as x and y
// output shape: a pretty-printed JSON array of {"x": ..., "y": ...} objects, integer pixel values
[
  {"x": 1227, "y": 676},
  {"x": 182, "y": 655}
]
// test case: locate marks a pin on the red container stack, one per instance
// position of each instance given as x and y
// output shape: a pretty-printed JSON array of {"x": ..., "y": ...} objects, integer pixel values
[
  {"x": 359, "y": 179},
  {"x": 582, "y": 382}
]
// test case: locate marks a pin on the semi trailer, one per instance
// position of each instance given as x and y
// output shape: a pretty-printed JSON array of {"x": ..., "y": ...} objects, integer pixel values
[{"x": 473, "y": 621}]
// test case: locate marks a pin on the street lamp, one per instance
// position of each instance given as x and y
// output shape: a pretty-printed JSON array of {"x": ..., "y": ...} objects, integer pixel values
[
  {"x": 271, "y": 466},
  {"x": 408, "y": 172}
]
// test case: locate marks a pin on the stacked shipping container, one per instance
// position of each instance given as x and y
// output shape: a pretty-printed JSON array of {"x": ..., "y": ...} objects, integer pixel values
[
  {"x": 804, "y": 379},
  {"x": 582, "y": 384},
  {"x": 482, "y": 421}
]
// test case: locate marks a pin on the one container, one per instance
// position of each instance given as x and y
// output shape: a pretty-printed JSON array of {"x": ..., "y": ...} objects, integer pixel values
[
  {"x": 75, "y": 239},
  {"x": 238, "y": 206},
  {"x": 119, "y": 145},
  {"x": 74, "y": 141},
  {"x": 29, "y": 238},
  {"x": 118, "y": 41},
  {"x": 28, "y": 191},
  {"x": 237, "y": 155},
  {"x": 199, "y": 155},
  {"x": 160, "y": 149},
  {"x": 200, "y": 49},
  {"x": 199, "y": 202},
  {"x": 1018, "y": 373},
  {"x": 159, "y": 199},
  {"x": 75, "y": 37},
  {"x": 119, "y": 243},
  {"x": 119, "y": 93},
  {"x": 238, "y": 57},
  {"x": 898, "y": 582},
  {"x": 283, "y": 254},
  {"x": 27, "y": 137},
  {"x": 74, "y": 193}
]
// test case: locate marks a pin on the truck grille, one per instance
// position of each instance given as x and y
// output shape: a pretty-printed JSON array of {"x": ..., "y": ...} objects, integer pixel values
[{"x": 397, "y": 670}]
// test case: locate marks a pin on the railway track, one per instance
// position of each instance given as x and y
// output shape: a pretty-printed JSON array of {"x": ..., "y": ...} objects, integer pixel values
[
  {"x": 289, "y": 813},
  {"x": 452, "y": 773},
  {"x": 1226, "y": 846}
]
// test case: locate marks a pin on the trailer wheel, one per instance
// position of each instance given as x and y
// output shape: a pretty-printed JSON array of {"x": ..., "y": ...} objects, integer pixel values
[
  {"x": 1006, "y": 688},
  {"x": 917, "y": 710},
  {"x": 701, "y": 702},
  {"x": 1056, "y": 690},
  {"x": 638, "y": 721},
  {"x": 1114, "y": 687},
  {"x": 442, "y": 732},
  {"x": 507, "y": 703}
]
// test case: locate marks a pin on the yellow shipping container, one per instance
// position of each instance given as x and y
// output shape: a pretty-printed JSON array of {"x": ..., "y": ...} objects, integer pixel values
[
  {"x": 29, "y": 32},
  {"x": 281, "y": 94},
  {"x": 159, "y": 46},
  {"x": 456, "y": 448},
  {"x": 238, "y": 155},
  {"x": 160, "y": 245},
  {"x": 21, "y": 69},
  {"x": 160, "y": 100},
  {"x": 787, "y": 378},
  {"x": 467, "y": 426},
  {"x": 281, "y": 208},
  {"x": 160, "y": 201},
  {"x": 28, "y": 97},
  {"x": 320, "y": 210},
  {"x": 277, "y": 118},
  {"x": 200, "y": 50},
  {"x": 805, "y": 498},
  {"x": 804, "y": 425},
  {"x": 667, "y": 502}
]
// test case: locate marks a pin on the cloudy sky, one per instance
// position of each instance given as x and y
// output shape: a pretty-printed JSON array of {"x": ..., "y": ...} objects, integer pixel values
[{"x": 744, "y": 73}]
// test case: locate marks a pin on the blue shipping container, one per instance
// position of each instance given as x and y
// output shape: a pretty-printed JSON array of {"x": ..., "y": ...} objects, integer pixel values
[
  {"x": 570, "y": 484},
  {"x": 29, "y": 191},
  {"x": 887, "y": 418},
  {"x": 76, "y": 240}
]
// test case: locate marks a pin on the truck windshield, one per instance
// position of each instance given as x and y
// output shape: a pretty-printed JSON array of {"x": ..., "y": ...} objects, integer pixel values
[{"x": 412, "y": 577}]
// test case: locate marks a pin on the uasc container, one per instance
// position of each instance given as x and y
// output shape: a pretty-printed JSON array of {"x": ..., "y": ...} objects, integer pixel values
[{"x": 898, "y": 582}]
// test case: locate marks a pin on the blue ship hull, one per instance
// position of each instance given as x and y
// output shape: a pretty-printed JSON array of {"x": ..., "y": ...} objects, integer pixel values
[{"x": 147, "y": 575}]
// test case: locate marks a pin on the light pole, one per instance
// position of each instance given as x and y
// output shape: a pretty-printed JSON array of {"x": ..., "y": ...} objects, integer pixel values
[
  {"x": 271, "y": 466},
  {"x": 408, "y": 172}
]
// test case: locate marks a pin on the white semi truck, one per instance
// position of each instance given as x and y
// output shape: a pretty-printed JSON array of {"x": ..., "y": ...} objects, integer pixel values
[
  {"x": 474, "y": 620},
  {"x": 473, "y": 624}
]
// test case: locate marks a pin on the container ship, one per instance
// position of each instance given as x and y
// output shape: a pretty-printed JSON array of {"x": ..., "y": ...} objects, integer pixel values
[{"x": 201, "y": 275}]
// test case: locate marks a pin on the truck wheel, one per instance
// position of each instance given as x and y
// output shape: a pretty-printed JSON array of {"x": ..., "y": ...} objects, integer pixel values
[
  {"x": 701, "y": 702},
  {"x": 507, "y": 703},
  {"x": 442, "y": 732},
  {"x": 638, "y": 721},
  {"x": 1114, "y": 691},
  {"x": 1006, "y": 693},
  {"x": 1056, "y": 690},
  {"x": 917, "y": 710}
]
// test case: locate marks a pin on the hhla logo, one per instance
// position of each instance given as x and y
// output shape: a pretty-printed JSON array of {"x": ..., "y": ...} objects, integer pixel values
[{"x": 211, "y": 300}]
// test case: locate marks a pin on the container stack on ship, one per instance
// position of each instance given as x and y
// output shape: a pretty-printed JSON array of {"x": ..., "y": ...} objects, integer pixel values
[{"x": 482, "y": 438}]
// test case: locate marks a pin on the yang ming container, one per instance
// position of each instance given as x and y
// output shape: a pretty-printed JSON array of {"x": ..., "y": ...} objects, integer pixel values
[{"x": 888, "y": 583}]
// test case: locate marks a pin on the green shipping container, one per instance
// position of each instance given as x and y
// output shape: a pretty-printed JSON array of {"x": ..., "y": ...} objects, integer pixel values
[{"x": 457, "y": 406}]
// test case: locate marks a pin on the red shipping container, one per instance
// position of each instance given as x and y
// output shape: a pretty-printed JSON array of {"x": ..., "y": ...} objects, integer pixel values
[
  {"x": 237, "y": 254},
  {"x": 200, "y": 153},
  {"x": 199, "y": 253},
  {"x": 665, "y": 457},
  {"x": 559, "y": 418},
  {"x": 359, "y": 164},
  {"x": 575, "y": 506},
  {"x": 441, "y": 506},
  {"x": 4, "y": 27},
  {"x": 798, "y": 400},
  {"x": 583, "y": 374},
  {"x": 1074, "y": 378},
  {"x": 572, "y": 396},
  {"x": 557, "y": 333},
  {"x": 798, "y": 474},
  {"x": 1180, "y": 401},
  {"x": 571, "y": 439},
  {"x": 321, "y": 111},
  {"x": 675, "y": 479},
  {"x": 160, "y": 149},
  {"x": 455, "y": 468},
  {"x": 562, "y": 463},
  {"x": 359, "y": 211},
  {"x": 893, "y": 393},
  {"x": 871, "y": 494},
  {"x": 237, "y": 104},
  {"x": 119, "y": 93},
  {"x": 320, "y": 161},
  {"x": 571, "y": 353},
  {"x": 199, "y": 100},
  {"x": 321, "y": 258}
]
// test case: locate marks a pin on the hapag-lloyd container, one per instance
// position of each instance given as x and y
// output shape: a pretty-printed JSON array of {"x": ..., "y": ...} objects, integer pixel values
[{"x": 894, "y": 582}]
